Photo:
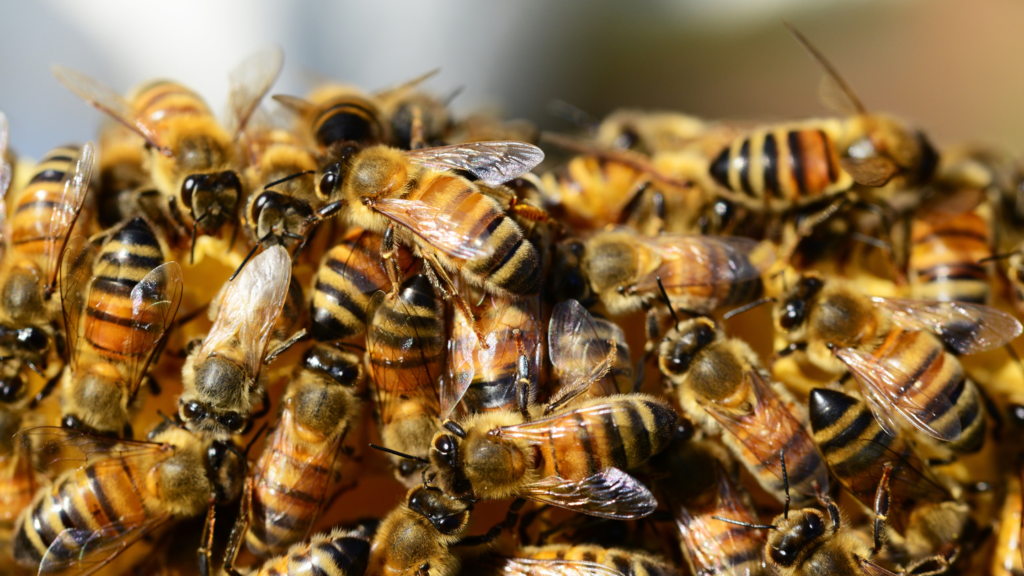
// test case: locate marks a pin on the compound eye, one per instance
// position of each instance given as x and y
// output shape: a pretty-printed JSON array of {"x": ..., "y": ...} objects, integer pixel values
[
  {"x": 34, "y": 338},
  {"x": 407, "y": 467},
  {"x": 232, "y": 421},
  {"x": 329, "y": 181},
  {"x": 792, "y": 315},
  {"x": 261, "y": 202},
  {"x": 813, "y": 526},
  {"x": 1017, "y": 414},
  {"x": 188, "y": 187},
  {"x": 449, "y": 524},
  {"x": 445, "y": 445},
  {"x": 192, "y": 411},
  {"x": 10, "y": 390}
]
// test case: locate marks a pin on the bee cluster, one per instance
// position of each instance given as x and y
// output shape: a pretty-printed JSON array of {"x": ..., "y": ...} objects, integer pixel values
[{"x": 262, "y": 298}]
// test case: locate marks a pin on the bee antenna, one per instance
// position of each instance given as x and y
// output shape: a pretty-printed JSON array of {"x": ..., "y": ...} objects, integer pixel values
[
  {"x": 448, "y": 99},
  {"x": 572, "y": 114},
  {"x": 829, "y": 68},
  {"x": 249, "y": 255},
  {"x": 747, "y": 307},
  {"x": 169, "y": 420},
  {"x": 289, "y": 177},
  {"x": 397, "y": 453},
  {"x": 664, "y": 294},
  {"x": 254, "y": 439},
  {"x": 999, "y": 257},
  {"x": 348, "y": 345},
  {"x": 746, "y": 524},
  {"x": 195, "y": 224},
  {"x": 785, "y": 482},
  {"x": 455, "y": 428}
]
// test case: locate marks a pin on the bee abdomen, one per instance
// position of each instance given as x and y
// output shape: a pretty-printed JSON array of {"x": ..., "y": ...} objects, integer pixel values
[
  {"x": 945, "y": 255},
  {"x": 348, "y": 119},
  {"x": 626, "y": 562},
  {"x": 35, "y": 204},
  {"x": 161, "y": 99}
]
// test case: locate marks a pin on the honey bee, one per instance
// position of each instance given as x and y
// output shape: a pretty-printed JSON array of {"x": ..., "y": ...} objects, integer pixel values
[
  {"x": 118, "y": 305},
  {"x": 580, "y": 560},
  {"x": 336, "y": 553},
  {"x": 118, "y": 492},
  {"x": 348, "y": 276},
  {"x": 792, "y": 164},
  {"x": 413, "y": 199},
  {"x": 896, "y": 350},
  {"x": 721, "y": 384},
  {"x": 191, "y": 158},
  {"x": 570, "y": 458},
  {"x": 405, "y": 344},
  {"x": 584, "y": 348},
  {"x": 417, "y": 118},
  {"x": 220, "y": 378},
  {"x": 505, "y": 374},
  {"x": 34, "y": 240},
  {"x": 303, "y": 457},
  {"x": 700, "y": 484},
  {"x": 699, "y": 273},
  {"x": 335, "y": 114},
  {"x": 923, "y": 512}
]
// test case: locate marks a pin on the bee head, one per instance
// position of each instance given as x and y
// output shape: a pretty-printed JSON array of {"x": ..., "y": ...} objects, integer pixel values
[
  {"x": 211, "y": 198},
  {"x": 677, "y": 351},
  {"x": 794, "y": 538},
  {"x": 791, "y": 313},
  {"x": 446, "y": 466},
  {"x": 276, "y": 216},
  {"x": 571, "y": 281}
]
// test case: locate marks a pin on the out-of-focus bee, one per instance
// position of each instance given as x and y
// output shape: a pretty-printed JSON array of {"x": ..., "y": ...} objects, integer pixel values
[
  {"x": 487, "y": 127},
  {"x": 405, "y": 344},
  {"x": 922, "y": 511},
  {"x": 699, "y": 273},
  {"x": 896, "y": 350},
  {"x": 417, "y": 118},
  {"x": 571, "y": 458},
  {"x": 18, "y": 480},
  {"x": 220, "y": 378},
  {"x": 649, "y": 132},
  {"x": 414, "y": 198},
  {"x": 303, "y": 457},
  {"x": 700, "y": 484},
  {"x": 792, "y": 164},
  {"x": 581, "y": 560},
  {"x": 118, "y": 492},
  {"x": 337, "y": 553},
  {"x": 34, "y": 240},
  {"x": 334, "y": 114},
  {"x": 721, "y": 384},
  {"x": 190, "y": 157},
  {"x": 349, "y": 274},
  {"x": 123, "y": 179},
  {"x": 118, "y": 304},
  {"x": 505, "y": 374},
  {"x": 1008, "y": 556}
]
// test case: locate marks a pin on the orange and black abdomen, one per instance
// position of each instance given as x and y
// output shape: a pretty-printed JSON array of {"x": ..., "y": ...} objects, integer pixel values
[
  {"x": 623, "y": 437},
  {"x": 34, "y": 207},
  {"x": 162, "y": 100},
  {"x": 348, "y": 276},
  {"x": 18, "y": 484},
  {"x": 347, "y": 118},
  {"x": 339, "y": 554},
  {"x": 921, "y": 356},
  {"x": 625, "y": 562},
  {"x": 512, "y": 267},
  {"x": 781, "y": 166},
  {"x": 706, "y": 283},
  {"x": 947, "y": 254}
]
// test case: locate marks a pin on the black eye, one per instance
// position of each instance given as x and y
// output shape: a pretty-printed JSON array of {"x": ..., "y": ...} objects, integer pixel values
[
  {"x": 792, "y": 314},
  {"x": 188, "y": 187},
  {"x": 813, "y": 526},
  {"x": 34, "y": 338},
  {"x": 192, "y": 411},
  {"x": 449, "y": 524},
  {"x": 444, "y": 444},
  {"x": 785, "y": 554},
  {"x": 329, "y": 180},
  {"x": 230, "y": 180},
  {"x": 261, "y": 201},
  {"x": 676, "y": 364},
  {"x": 10, "y": 390},
  {"x": 232, "y": 421},
  {"x": 1017, "y": 414}
]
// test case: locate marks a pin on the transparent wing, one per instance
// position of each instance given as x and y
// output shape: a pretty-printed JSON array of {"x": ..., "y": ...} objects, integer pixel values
[
  {"x": 887, "y": 388},
  {"x": 768, "y": 428},
  {"x": 875, "y": 172},
  {"x": 579, "y": 350},
  {"x": 401, "y": 89},
  {"x": 65, "y": 213},
  {"x": 966, "y": 328},
  {"x": 83, "y": 552},
  {"x": 694, "y": 260},
  {"x": 842, "y": 96},
  {"x": 250, "y": 307},
  {"x": 108, "y": 102},
  {"x": 611, "y": 493},
  {"x": 548, "y": 567},
  {"x": 435, "y": 226},
  {"x": 56, "y": 449},
  {"x": 75, "y": 275},
  {"x": 462, "y": 347},
  {"x": 492, "y": 162},
  {"x": 293, "y": 103},
  {"x": 155, "y": 301},
  {"x": 250, "y": 81}
]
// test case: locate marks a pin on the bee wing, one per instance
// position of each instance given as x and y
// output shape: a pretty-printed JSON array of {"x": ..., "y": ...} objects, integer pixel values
[
  {"x": 250, "y": 306},
  {"x": 767, "y": 429},
  {"x": 492, "y": 162},
  {"x": 967, "y": 328},
  {"x": 435, "y": 227},
  {"x": 155, "y": 300},
  {"x": 109, "y": 102},
  {"x": 872, "y": 569},
  {"x": 551, "y": 567},
  {"x": 250, "y": 81},
  {"x": 83, "y": 552},
  {"x": 461, "y": 366},
  {"x": 874, "y": 172},
  {"x": 75, "y": 275},
  {"x": 909, "y": 480},
  {"x": 841, "y": 96},
  {"x": 579, "y": 353},
  {"x": 883, "y": 385},
  {"x": 65, "y": 213},
  {"x": 55, "y": 449},
  {"x": 391, "y": 386},
  {"x": 611, "y": 493},
  {"x": 729, "y": 257},
  {"x": 399, "y": 90}
]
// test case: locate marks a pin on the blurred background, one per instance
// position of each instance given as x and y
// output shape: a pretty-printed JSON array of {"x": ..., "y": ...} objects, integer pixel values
[{"x": 947, "y": 65}]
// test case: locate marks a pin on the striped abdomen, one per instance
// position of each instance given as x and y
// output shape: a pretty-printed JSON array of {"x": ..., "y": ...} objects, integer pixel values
[
  {"x": 707, "y": 284},
  {"x": 856, "y": 449},
  {"x": 336, "y": 554},
  {"x": 512, "y": 265},
  {"x": 130, "y": 253},
  {"x": 163, "y": 100},
  {"x": 34, "y": 207},
  {"x": 594, "y": 192},
  {"x": 349, "y": 274},
  {"x": 347, "y": 118},
  {"x": 782, "y": 166},
  {"x": 626, "y": 562},
  {"x": 618, "y": 431},
  {"x": 946, "y": 255},
  {"x": 933, "y": 372},
  {"x": 109, "y": 493}
]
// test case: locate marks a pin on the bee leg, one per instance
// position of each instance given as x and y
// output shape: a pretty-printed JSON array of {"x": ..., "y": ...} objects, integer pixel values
[
  {"x": 805, "y": 227},
  {"x": 522, "y": 376},
  {"x": 568, "y": 394},
  {"x": 416, "y": 138},
  {"x": 238, "y": 532},
  {"x": 206, "y": 540},
  {"x": 508, "y": 523},
  {"x": 295, "y": 339},
  {"x": 153, "y": 385},
  {"x": 388, "y": 249},
  {"x": 528, "y": 519},
  {"x": 48, "y": 389},
  {"x": 264, "y": 408},
  {"x": 789, "y": 350},
  {"x": 882, "y": 501},
  {"x": 444, "y": 284},
  {"x": 128, "y": 433}
]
